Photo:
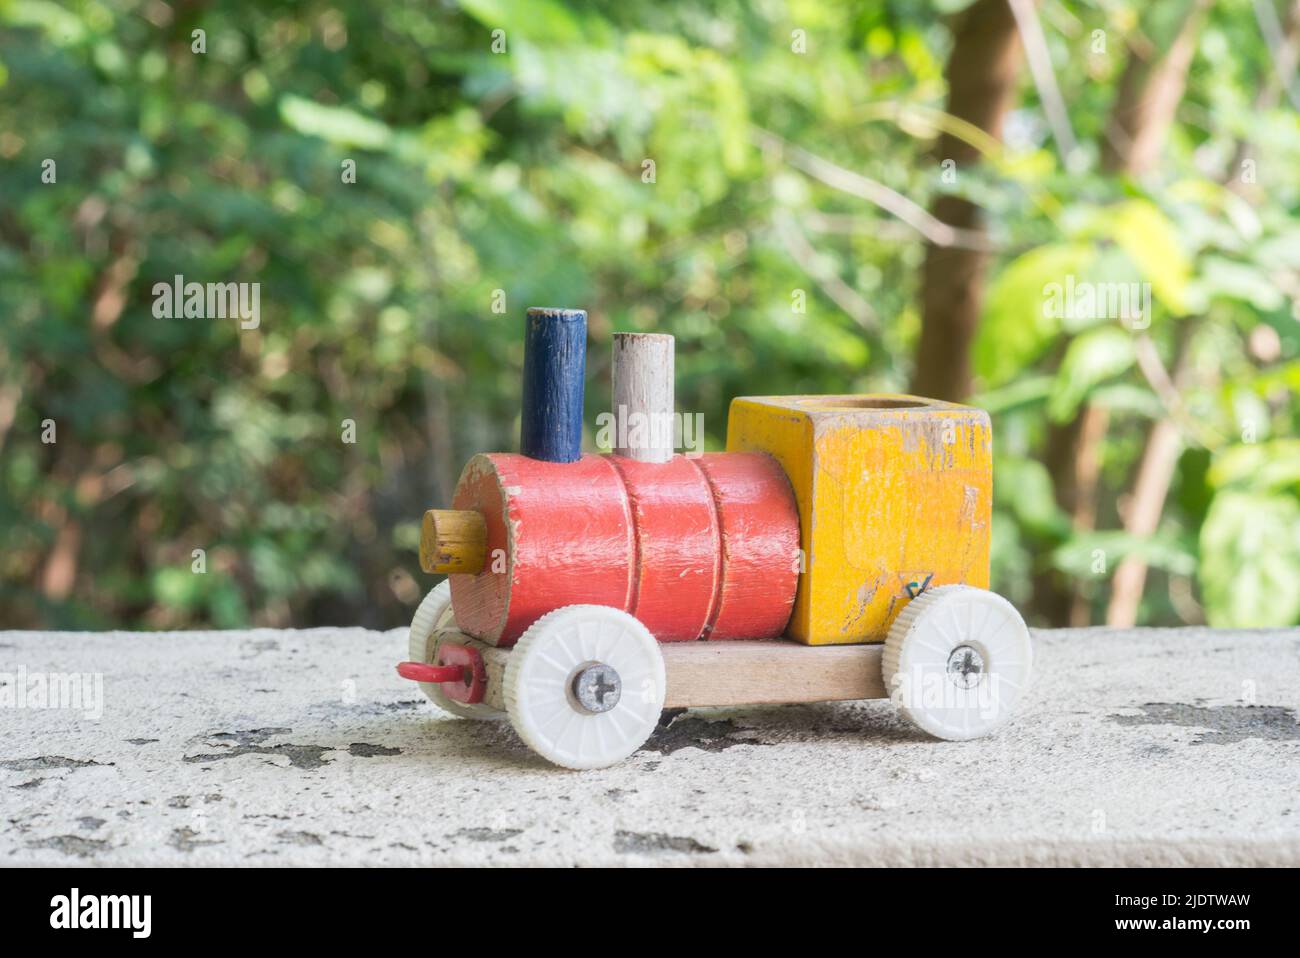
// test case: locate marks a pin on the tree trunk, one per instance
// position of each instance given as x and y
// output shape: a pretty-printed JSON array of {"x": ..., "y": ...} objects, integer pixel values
[
  {"x": 1145, "y": 105},
  {"x": 1164, "y": 443},
  {"x": 1074, "y": 461},
  {"x": 981, "y": 73},
  {"x": 1142, "y": 514},
  {"x": 1149, "y": 93},
  {"x": 1286, "y": 57}
]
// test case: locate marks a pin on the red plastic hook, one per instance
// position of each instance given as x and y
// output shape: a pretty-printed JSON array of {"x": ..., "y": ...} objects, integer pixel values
[{"x": 419, "y": 672}]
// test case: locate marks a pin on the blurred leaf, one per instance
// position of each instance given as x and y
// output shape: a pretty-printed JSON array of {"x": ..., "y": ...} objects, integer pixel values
[
  {"x": 1221, "y": 278},
  {"x": 1129, "y": 398},
  {"x": 177, "y": 588},
  {"x": 1151, "y": 241},
  {"x": 1018, "y": 323},
  {"x": 1091, "y": 358},
  {"x": 1265, "y": 467},
  {"x": 226, "y": 607},
  {"x": 1250, "y": 560},
  {"x": 540, "y": 21},
  {"x": 1087, "y": 552},
  {"x": 1016, "y": 395},
  {"x": 334, "y": 124},
  {"x": 61, "y": 26},
  {"x": 1024, "y": 488}
]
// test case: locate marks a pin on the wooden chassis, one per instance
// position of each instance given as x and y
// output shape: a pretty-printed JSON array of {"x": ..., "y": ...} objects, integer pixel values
[{"x": 739, "y": 672}]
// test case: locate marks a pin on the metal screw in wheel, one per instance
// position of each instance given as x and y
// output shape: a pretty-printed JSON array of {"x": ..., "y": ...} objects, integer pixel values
[
  {"x": 584, "y": 686},
  {"x": 965, "y": 666},
  {"x": 597, "y": 687}
]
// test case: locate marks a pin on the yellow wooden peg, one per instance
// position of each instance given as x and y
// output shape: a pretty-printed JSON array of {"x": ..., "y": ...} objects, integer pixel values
[{"x": 453, "y": 541}]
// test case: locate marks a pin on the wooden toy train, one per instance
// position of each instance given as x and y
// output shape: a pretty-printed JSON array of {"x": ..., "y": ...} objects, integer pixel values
[{"x": 839, "y": 549}]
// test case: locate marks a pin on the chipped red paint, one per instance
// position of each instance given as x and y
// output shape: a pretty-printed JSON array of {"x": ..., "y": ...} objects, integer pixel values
[
  {"x": 558, "y": 534},
  {"x": 695, "y": 547},
  {"x": 760, "y": 544},
  {"x": 674, "y": 562}
]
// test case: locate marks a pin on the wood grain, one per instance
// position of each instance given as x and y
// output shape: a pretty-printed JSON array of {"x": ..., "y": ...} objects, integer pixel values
[
  {"x": 557, "y": 534},
  {"x": 555, "y": 364},
  {"x": 894, "y": 491},
  {"x": 774, "y": 672},
  {"x": 758, "y": 526},
  {"x": 643, "y": 396},
  {"x": 765, "y": 673},
  {"x": 693, "y": 547},
  {"x": 494, "y": 663},
  {"x": 677, "y": 547},
  {"x": 453, "y": 540}
]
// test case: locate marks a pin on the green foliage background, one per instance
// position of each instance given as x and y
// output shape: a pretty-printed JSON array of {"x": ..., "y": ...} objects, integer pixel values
[{"x": 522, "y": 171}]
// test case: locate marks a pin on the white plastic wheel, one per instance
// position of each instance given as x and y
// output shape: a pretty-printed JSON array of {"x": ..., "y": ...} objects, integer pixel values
[
  {"x": 435, "y": 613},
  {"x": 957, "y": 661},
  {"x": 551, "y": 659}
]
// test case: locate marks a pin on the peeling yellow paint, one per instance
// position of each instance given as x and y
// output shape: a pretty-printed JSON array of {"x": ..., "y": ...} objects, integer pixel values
[{"x": 891, "y": 489}]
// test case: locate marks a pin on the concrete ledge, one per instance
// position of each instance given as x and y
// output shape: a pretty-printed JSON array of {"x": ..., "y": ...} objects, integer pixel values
[{"x": 1144, "y": 747}]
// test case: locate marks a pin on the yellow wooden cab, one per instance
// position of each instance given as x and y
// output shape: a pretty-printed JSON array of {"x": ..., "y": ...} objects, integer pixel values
[{"x": 894, "y": 494}]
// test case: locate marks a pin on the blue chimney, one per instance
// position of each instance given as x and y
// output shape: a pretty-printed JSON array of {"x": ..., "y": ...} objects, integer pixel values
[{"x": 555, "y": 361}]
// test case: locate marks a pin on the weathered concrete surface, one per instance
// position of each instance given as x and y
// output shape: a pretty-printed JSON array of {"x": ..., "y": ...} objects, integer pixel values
[{"x": 1136, "y": 747}]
